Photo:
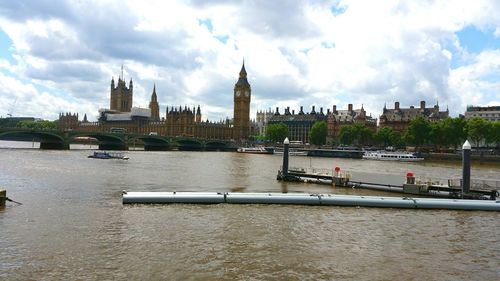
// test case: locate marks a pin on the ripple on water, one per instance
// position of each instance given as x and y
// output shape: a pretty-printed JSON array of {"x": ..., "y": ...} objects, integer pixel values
[{"x": 72, "y": 224}]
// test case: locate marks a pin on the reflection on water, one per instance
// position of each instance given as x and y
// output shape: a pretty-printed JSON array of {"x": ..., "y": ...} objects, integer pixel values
[{"x": 72, "y": 224}]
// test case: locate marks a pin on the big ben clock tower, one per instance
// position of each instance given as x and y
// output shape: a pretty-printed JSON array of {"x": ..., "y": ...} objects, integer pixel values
[{"x": 242, "y": 96}]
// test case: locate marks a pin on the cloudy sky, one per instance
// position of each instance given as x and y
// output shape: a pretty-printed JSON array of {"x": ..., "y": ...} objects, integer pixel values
[{"x": 60, "y": 56}]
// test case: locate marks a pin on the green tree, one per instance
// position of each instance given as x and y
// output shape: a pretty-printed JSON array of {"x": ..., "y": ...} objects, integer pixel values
[
  {"x": 454, "y": 131},
  {"x": 396, "y": 139},
  {"x": 277, "y": 132},
  {"x": 363, "y": 134},
  {"x": 318, "y": 133},
  {"x": 437, "y": 134},
  {"x": 38, "y": 125},
  {"x": 357, "y": 134},
  {"x": 417, "y": 132},
  {"x": 346, "y": 135},
  {"x": 494, "y": 136},
  {"x": 383, "y": 136},
  {"x": 491, "y": 135},
  {"x": 477, "y": 129}
]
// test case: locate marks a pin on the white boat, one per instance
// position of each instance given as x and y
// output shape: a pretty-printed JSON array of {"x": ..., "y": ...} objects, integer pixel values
[
  {"x": 391, "y": 156},
  {"x": 291, "y": 152},
  {"x": 255, "y": 150}
]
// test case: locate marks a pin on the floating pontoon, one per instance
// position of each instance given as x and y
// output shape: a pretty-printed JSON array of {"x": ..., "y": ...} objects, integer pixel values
[{"x": 306, "y": 199}]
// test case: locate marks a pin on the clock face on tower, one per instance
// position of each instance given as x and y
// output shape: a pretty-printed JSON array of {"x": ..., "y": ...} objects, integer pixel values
[
  {"x": 247, "y": 93},
  {"x": 238, "y": 93}
]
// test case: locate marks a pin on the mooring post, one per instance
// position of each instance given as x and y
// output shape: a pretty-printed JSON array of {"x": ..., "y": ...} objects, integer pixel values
[
  {"x": 466, "y": 167},
  {"x": 3, "y": 197},
  {"x": 286, "y": 146}
]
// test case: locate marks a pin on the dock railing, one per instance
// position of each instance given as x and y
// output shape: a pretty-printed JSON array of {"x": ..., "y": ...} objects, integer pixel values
[
  {"x": 319, "y": 171},
  {"x": 477, "y": 184}
]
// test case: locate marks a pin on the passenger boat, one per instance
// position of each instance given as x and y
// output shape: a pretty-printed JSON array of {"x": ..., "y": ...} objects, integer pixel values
[
  {"x": 291, "y": 152},
  {"x": 391, "y": 156},
  {"x": 255, "y": 150},
  {"x": 108, "y": 155},
  {"x": 339, "y": 152}
]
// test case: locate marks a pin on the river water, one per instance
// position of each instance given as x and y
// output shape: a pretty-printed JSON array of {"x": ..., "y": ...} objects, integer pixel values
[{"x": 72, "y": 224}]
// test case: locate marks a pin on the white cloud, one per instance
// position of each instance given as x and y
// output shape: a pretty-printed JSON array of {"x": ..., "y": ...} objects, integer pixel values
[
  {"x": 24, "y": 99},
  {"x": 296, "y": 52},
  {"x": 477, "y": 83}
]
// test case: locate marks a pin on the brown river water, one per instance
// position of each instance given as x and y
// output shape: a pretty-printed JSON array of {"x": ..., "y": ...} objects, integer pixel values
[{"x": 72, "y": 224}]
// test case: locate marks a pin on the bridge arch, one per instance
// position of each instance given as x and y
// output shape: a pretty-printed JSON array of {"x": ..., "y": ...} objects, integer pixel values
[
  {"x": 188, "y": 144},
  {"x": 155, "y": 143},
  {"x": 107, "y": 141},
  {"x": 47, "y": 139},
  {"x": 216, "y": 145}
]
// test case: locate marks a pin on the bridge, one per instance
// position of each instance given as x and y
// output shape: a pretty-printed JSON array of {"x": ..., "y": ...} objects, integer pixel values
[{"x": 56, "y": 139}]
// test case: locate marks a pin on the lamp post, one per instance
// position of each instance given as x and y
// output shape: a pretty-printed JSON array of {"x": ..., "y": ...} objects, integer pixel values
[
  {"x": 286, "y": 146},
  {"x": 466, "y": 148}
]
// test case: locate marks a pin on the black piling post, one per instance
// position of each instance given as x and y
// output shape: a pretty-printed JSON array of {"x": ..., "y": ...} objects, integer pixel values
[
  {"x": 286, "y": 146},
  {"x": 466, "y": 167},
  {"x": 3, "y": 197}
]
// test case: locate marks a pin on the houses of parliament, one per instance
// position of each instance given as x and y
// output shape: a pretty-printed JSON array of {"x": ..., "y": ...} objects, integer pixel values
[{"x": 178, "y": 121}]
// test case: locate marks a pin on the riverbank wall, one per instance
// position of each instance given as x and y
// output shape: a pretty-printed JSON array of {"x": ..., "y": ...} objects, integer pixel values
[{"x": 458, "y": 157}]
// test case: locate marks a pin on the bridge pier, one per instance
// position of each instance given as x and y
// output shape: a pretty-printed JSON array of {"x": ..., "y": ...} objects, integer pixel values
[
  {"x": 113, "y": 146},
  {"x": 190, "y": 148},
  {"x": 54, "y": 145},
  {"x": 155, "y": 144},
  {"x": 149, "y": 147}
]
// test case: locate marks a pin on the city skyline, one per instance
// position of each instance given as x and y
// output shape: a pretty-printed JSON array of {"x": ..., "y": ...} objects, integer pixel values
[{"x": 60, "y": 56}]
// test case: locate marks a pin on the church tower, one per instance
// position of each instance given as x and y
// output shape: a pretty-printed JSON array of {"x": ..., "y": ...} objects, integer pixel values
[
  {"x": 198, "y": 115},
  {"x": 242, "y": 96},
  {"x": 121, "y": 96},
  {"x": 153, "y": 105}
]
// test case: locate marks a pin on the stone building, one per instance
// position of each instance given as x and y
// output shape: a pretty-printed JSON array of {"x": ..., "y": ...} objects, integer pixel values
[
  {"x": 339, "y": 118},
  {"x": 488, "y": 113},
  {"x": 69, "y": 121},
  {"x": 154, "y": 106},
  {"x": 300, "y": 124},
  {"x": 399, "y": 118},
  {"x": 178, "y": 121},
  {"x": 242, "y": 98},
  {"x": 261, "y": 120},
  {"x": 121, "y": 96}
]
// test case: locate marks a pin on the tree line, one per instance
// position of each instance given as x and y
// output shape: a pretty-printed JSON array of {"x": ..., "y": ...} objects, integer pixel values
[
  {"x": 444, "y": 134},
  {"x": 29, "y": 124}
]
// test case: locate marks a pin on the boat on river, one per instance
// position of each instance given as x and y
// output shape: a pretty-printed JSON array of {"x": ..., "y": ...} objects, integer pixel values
[
  {"x": 391, "y": 156},
  {"x": 339, "y": 152},
  {"x": 108, "y": 155},
  {"x": 255, "y": 150},
  {"x": 291, "y": 152}
]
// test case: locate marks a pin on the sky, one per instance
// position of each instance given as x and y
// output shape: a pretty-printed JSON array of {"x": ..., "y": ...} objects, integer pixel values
[{"x": 60, "y": 56}]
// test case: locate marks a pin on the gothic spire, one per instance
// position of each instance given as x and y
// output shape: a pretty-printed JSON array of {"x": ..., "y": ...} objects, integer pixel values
[
  {"x": 243, "y": 72},
  {"x": 153, "y": 95},
  {"x": 242, "y": 81}
]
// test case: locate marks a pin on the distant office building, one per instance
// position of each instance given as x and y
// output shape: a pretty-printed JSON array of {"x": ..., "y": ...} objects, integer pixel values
[
  {"x": 399, "y": 118},
  {"x": 489, "y": 113},
  {"x": 339, "y": 118},
  {"x": 300, "y": 124}
]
